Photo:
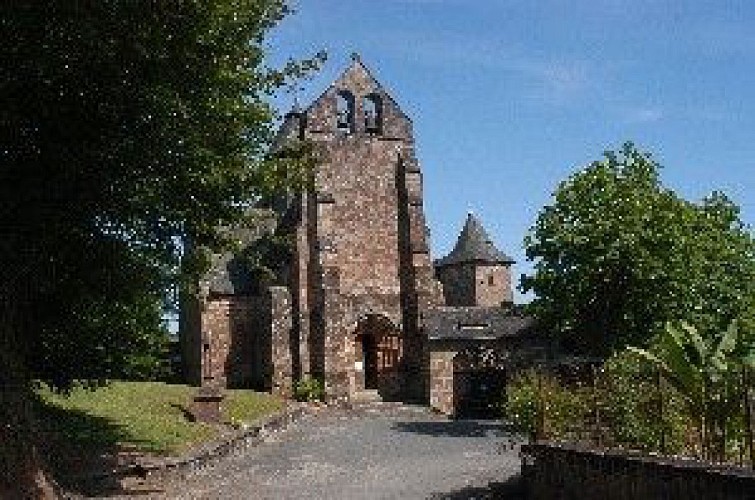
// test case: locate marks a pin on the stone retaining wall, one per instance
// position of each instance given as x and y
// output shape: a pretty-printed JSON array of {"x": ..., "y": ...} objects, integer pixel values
[{"x": 554, "y": 472}]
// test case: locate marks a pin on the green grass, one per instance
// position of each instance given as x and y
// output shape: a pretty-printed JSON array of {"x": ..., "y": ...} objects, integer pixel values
[
  {"x": 242, "y": 406},
  {"x": 146, "y": 416}
]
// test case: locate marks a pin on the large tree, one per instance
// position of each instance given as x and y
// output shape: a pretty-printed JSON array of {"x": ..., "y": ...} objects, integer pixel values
[
  {"x": 126, "y": 129},
  {"x": 617, "y": 255}
]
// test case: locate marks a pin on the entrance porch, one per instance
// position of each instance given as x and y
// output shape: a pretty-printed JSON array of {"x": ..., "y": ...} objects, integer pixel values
[{"x": 378, "y": 350}]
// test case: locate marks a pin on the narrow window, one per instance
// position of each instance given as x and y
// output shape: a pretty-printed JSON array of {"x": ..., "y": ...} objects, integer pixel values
[
  {"x": 345, "y": 112},
  {"x": 491, "y": 281},
  {"x": 372, "y": 107}
]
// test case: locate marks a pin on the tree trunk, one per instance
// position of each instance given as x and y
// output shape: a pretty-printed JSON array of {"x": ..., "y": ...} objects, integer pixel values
[{"x": 22, "y": 474}]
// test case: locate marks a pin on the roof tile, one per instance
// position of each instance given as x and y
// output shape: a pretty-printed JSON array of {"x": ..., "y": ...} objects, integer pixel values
[{"x": 474, "y": 245}]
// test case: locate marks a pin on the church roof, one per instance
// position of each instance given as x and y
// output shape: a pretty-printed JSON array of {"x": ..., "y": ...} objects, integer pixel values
[
  {"x": 227, "y": 275},
  {"x": 474, "y": 245},
  {"x": 476, "y": 323},
  {"x": 358, "y": 71}
]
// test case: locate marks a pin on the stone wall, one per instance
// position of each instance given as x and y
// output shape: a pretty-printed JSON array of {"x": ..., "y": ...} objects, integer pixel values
[
  {"x": 361, "y": 240},
  {"x": 442, "y": 380},
  {"x": 278, "y": 301},
  {"x": 452, "y": 362},
  {"x": 228, "y": 340},
  {"x": 476, "y": 284},
  {"x": 492, "y": 285},
  {"x": 240, "y": 341},
  {"x": 458, "y": 284},
  {"x": 360, "y": 229},
  {"x": 554, "y": 472}
]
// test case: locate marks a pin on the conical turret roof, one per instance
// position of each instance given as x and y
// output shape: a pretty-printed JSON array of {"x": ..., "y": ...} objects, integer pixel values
[{"x": 474, "y": 245}]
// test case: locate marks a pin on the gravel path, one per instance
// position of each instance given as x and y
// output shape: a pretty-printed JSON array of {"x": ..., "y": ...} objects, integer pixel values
[{"x": 341, "y": 455}]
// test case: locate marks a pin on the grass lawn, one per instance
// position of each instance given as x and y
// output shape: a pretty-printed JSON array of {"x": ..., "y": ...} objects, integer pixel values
[{"x": 143, "y": 416}]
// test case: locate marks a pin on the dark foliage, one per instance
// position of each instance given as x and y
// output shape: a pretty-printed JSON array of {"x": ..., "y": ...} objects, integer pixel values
[{"x": 127, "y": 128}]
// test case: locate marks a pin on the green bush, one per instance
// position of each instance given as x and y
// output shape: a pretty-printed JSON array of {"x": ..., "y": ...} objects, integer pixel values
[
  {"x": 565, "y": 408},
  {"x": 631, "y": 403},
  {"x": 521, "y": 405},
  {"x": 309, "y": 389},
  {"x": 622, "y": 408}
]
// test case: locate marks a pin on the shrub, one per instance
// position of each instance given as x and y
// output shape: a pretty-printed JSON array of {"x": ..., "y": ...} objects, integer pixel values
[
  {"x": 622, "y": 408},
  {"x": 631, "y": 402},
  {"x": 564, "y": 408},
  {"x": 309, "y": 389},
  {"x": 521, "y": 405}
]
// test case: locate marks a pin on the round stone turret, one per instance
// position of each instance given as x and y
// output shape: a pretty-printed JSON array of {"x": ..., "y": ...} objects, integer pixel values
[{"x": 475, "y": 273}]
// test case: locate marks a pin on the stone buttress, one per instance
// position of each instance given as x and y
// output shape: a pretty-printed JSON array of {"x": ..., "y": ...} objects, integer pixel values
[{"x": 362, "y": 270}]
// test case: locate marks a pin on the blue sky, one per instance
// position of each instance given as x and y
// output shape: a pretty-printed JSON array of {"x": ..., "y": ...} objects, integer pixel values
[{"x": 510, "y": 97}]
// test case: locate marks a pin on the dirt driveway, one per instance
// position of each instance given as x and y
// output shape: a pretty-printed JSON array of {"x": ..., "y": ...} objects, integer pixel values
[{"x": 374, "y": 454}]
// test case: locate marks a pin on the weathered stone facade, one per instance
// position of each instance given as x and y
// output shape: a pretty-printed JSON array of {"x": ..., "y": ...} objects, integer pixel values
[
  {"x": 364, "y": 269},
  {"x": 239, "y": 340},
  {"x": 473, "y": 351},
  {"x": 361, "y": 270},
  {"x": 353, "y": 296}
]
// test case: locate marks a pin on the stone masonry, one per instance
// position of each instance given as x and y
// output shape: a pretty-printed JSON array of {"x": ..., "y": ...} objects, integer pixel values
[
  {"x": 239, "y": 341},
  {"x": 475, "y": 273},
  {"x": 364, "y": 268},
  {"x": 350, "y": 304}
]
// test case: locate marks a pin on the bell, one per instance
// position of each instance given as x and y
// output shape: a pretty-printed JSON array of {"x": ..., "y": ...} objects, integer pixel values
[
  {"x": 343, "y": 120},
  {"x": 370, "y": 122}
]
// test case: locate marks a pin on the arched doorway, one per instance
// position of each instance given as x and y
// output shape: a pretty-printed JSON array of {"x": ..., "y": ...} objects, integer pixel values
[{"x": 378, "y": 352}]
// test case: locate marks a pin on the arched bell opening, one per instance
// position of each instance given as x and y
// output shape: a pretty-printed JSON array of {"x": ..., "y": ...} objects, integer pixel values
[
  {"x": 345, "y": 112},
  {"x": 372, "y": 109}
]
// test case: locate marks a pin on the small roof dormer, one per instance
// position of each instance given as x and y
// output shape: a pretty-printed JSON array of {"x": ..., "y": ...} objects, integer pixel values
[{"x": 474, "y": 246}]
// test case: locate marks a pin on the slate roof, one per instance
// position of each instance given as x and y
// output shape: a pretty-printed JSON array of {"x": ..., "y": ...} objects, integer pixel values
[
  {"x": 476, "y": 323},
  {"x": 226, "y": 275},
  {"x": 357, "y": 65},
  {"x": 474, "y": 245}
]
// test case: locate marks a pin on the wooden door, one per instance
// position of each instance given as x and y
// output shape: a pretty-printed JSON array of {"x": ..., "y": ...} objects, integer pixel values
[{"x": 369, "y": 348}]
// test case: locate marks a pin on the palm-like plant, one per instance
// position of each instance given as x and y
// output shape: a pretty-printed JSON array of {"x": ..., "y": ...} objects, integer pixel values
[{"x": 702, "y": 373}]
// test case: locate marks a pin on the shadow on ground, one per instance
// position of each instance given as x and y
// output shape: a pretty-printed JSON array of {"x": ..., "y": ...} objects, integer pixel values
[
  {"x": 456, "y": 428},
  {"x": 81, "y": 449},
  {"x": 511, "y": 489},
  {"x": 188, "y": 415}
]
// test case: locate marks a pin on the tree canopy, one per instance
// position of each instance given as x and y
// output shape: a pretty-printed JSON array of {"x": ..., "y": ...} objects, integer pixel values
[
  {"x": 617, "y": 255},
  {"x": 128, "y": 128}
]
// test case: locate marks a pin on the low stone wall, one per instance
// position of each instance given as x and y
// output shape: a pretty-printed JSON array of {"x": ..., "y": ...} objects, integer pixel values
[{"x": 554, "y": 471}]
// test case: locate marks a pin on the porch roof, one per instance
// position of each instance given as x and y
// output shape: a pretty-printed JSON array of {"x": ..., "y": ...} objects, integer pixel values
[{"x": 476, "y": 323}]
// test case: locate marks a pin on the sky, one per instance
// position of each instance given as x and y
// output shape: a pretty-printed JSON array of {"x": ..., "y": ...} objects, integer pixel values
[{"x": 508, "y": 98}]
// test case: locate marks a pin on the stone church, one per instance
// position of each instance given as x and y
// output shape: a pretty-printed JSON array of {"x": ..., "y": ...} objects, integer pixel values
[{"x": 358, "y": 301}]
